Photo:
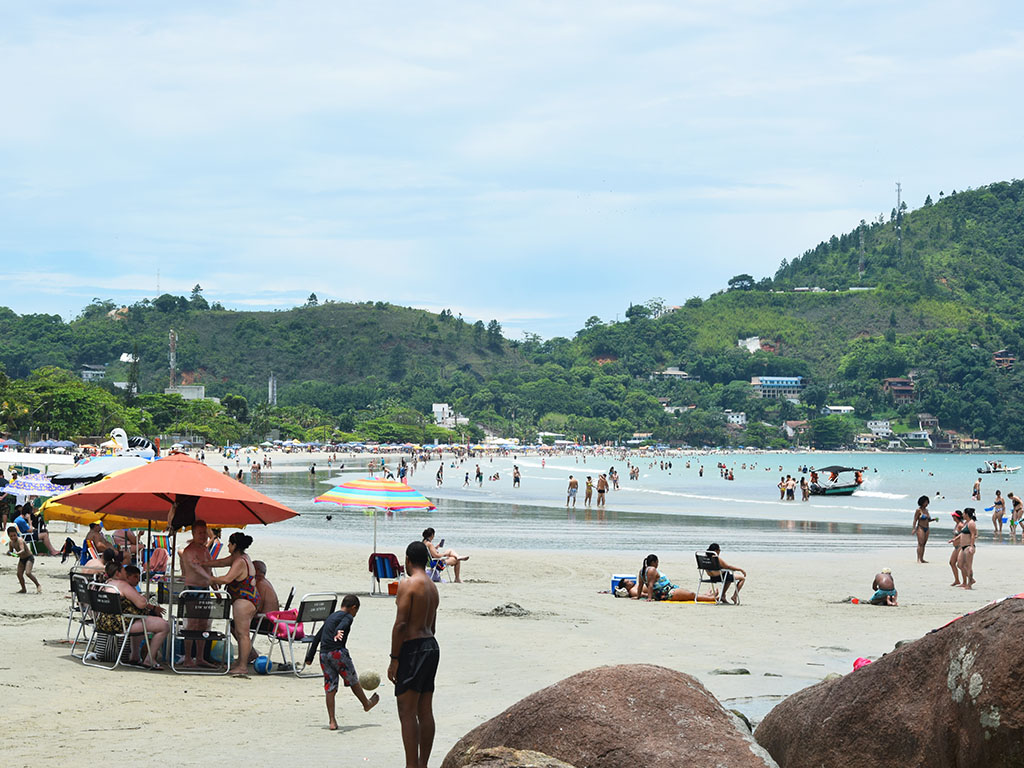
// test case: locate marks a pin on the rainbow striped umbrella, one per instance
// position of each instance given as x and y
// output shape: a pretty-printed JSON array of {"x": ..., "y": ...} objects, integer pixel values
[{"x": 376, "y": 494}]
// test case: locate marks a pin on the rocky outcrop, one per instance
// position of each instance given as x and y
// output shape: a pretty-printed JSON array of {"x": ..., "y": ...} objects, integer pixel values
[
  {"x": 503, "y": 757},
  {"x": 953, "y": 698},
  {"x": 619, "y": 717}
]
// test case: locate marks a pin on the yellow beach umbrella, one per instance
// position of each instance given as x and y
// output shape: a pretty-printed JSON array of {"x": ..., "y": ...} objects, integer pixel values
[{"x": 55, "y": 511}]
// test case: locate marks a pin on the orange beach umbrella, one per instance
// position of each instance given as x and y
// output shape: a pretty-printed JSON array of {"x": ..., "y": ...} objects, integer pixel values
[{"x": 153, "y": 491}]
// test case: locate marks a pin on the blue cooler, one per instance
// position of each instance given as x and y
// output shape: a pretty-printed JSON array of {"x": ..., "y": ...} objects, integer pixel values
[{"x": 619, "y": 577}]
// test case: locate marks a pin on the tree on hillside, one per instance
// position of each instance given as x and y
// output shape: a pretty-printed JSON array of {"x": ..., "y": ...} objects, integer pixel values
[
  {"x": 637, "y": 312},
  {"x": 741, "y": 283},
  {"x": 237, "y": 407},
  {"x": 494, "y": 335},
  {"x": 196, "y": 300},
  {"x": 312, "y": 300},
  {"x": 831, "y": 432}
]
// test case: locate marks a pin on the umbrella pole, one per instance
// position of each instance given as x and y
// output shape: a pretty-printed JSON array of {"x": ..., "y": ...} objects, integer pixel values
[
  {"x": 149, "y": 554},
  {"x": 170, "y": 591},
  {"x": 375, "y": 531}
]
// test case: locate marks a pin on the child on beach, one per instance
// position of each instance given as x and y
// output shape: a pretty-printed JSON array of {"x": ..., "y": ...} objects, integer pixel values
[
  {"x": 335, "y": 661},
  {"x": 17, "y": 545}
]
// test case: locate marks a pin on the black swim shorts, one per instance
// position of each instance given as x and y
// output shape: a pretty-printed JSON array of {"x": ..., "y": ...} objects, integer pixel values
[{"x": 417, "y": 665}]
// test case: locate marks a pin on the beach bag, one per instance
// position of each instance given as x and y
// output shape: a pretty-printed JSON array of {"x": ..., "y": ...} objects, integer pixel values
[{"x": 285, "y": 625}]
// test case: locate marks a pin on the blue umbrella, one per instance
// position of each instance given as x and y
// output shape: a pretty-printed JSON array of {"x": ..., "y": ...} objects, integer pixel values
[{"x": 11, "y": 443}]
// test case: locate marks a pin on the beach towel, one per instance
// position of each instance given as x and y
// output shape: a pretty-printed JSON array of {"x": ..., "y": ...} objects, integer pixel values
[{"x": 285, "y": 625}]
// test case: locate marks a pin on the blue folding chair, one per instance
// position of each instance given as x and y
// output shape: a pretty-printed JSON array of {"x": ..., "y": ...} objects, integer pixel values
[{"x": 383, "y": 565}]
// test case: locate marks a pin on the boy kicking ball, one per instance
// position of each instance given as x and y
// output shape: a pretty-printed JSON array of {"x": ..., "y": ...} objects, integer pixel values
[{"x": 335, "y": 661}]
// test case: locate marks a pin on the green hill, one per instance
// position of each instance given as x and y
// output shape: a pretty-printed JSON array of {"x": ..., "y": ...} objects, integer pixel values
[{"x": 937, "y": 305}]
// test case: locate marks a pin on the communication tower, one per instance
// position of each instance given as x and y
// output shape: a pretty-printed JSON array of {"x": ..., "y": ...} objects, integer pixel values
[
  {"x": 173, "y": 339},
  {"x": 899, "y": 224}
]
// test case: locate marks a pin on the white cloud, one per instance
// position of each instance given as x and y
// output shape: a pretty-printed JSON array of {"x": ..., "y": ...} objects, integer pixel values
[{"x": 535, "y": 162}]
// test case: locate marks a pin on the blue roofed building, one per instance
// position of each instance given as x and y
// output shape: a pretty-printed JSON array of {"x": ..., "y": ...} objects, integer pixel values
[{"x": 779, "y": 387}]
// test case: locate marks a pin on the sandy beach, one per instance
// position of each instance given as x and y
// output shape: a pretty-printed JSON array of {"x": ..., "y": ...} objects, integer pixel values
[{"x": 790, "y": 624}]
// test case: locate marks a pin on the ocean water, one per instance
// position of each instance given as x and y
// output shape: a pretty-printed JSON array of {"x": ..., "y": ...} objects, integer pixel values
[{"x": 666, "y": 510}]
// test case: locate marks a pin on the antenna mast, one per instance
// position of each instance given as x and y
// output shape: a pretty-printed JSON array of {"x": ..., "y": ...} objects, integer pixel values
[
  {"x": 173, "y": 339},
  {"x": 899, "y": 224},
  {"x": 860, "y": 263}
]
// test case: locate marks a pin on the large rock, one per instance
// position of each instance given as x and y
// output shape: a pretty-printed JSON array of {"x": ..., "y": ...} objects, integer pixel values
[
  {"x": 503, "y": 757},
  {"x": 953, "y": 698},
  {"x": 619, "y": 717}
]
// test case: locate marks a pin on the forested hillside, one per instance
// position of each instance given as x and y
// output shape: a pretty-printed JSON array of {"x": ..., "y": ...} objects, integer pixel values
[{"x": 938, "y": 305}]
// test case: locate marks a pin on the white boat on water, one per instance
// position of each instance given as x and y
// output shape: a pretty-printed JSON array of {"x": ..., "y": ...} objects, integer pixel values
[{"x": 996, "y": 467}]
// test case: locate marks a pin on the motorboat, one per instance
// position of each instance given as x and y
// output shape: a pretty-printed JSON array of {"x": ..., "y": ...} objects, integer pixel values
[
  {"x": 834, "y": 484},
  {"x": 996, "y": 468}
]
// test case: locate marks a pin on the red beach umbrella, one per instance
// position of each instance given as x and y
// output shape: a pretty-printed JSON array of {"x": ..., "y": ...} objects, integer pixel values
[{"x": 151, "y": 493}]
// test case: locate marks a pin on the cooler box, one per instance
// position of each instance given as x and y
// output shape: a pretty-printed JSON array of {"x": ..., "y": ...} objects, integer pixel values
[{"x": 616, "y": 579}]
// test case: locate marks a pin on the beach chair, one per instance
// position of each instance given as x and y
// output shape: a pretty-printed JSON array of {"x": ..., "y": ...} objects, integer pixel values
[
  {"x": 383, "y": 565},
  {"x": 215, "y": 547},
  {"x": 80, "y": 609},
  {"x": 438, "y": 570},
  {"x": 707, "y": 562},
  {"x": 264, "y": 626},
  {"x": 207, "y": 605},
  {"x": 313, "y": 609},
  {"x": 103, "y": 601}
]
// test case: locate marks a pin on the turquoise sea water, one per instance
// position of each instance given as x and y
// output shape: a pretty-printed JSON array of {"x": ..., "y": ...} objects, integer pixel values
[{"x": 666, "y": 510}]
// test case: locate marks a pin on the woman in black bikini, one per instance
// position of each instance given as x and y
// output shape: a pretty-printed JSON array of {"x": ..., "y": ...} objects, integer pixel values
[
  {"x": 921, "y": 522},
  {"x": 958, "y": 523},
  {"x": 965, "y": 541}
]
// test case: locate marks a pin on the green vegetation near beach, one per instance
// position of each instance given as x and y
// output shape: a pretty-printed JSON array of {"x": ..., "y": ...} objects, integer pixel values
[{"x": 936, "y": 307}]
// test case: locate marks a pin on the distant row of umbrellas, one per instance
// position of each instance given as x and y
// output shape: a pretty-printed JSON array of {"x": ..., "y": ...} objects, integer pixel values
[{"x": 11, "y": 443}]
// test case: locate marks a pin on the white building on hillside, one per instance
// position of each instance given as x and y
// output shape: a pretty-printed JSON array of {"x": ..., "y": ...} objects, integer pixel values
[
  {"x": 837, "y": 410},
  {"x": 880, "y": 427},
  {"x": 739, "y": 418}
]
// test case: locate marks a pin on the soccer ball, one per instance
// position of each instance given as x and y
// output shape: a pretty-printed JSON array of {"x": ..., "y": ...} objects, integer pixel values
[
  {"x": 369, "y": 680},
  {"x": 263, "y": 666}
]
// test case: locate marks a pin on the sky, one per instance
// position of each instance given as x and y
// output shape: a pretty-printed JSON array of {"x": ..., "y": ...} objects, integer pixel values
[{"x": 532, "y": 162}]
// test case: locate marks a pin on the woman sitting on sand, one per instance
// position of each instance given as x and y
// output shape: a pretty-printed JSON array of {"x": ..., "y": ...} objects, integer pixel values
[
  {"x": 660, "y": 588},
  {"x": 450, "y": 556},
  {"x": 240, "y": 583}
]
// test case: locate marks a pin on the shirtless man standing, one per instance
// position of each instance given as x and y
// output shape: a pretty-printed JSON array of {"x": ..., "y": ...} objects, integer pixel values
[
  {"x": 574, "y": 486},
  {"x": 414, "y": 656},
  {"x": 602, "y": 489},
  {"x": 195, "y": 571}
]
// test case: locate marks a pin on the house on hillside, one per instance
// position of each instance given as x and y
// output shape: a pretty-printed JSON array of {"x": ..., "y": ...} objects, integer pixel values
[
  {"x": 919, "y": 436},
  {"x": 93, "y": 372},
  {"x": 673, "y": 372},
  {"x": 901, "y": 389},
  {"x": 1004, "y": 358},
  {"x": 190, "y": 392},
  {"x": 864, "y": 440},
  {"x": 837, "y": 410},
  {"x": 778, "y": 387},
  {"x": 880, "y": 427},
  {"x": 925, "y": 421},
  {"x": 796, "y": 428},
  {"x": 751, "y": 344},
  {"x": 738, "y": 418}
]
